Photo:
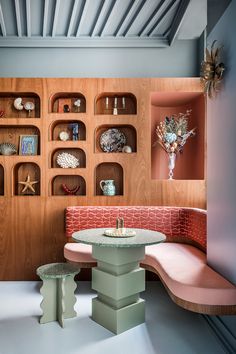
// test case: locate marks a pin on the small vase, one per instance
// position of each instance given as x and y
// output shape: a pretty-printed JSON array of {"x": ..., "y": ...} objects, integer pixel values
[{"x": 171, "y": 164}]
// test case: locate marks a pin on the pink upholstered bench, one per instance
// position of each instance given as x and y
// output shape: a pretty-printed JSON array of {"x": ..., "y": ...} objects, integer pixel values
[{"x": 180, "y": 262}]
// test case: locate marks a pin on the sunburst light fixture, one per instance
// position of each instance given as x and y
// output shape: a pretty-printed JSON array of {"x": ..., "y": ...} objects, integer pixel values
[{"x": 212, "y": 71}]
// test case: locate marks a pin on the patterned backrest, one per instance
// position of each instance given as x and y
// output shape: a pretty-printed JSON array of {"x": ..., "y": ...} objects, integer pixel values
[{"x": 186, "y": 225}]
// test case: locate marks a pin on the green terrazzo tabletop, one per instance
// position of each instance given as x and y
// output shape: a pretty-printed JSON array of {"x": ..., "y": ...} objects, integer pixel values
[
  {"x": 57, "y": 270},
  {"x": 96, "y": 237}
]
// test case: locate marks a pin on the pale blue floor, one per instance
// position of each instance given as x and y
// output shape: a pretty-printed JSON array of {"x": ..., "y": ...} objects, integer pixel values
[{"x": 168, "y": 328}]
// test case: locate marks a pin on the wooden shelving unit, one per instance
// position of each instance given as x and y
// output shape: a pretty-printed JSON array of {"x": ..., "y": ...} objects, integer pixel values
[
  {"x": 1, "y": 180},
  {"x": 67, "y": 102},
  {"x": 110, "y": 170},
  {"x": 70, "y": 182},
  {"x": 33, "y": 226},
  {"x": 68, "y": 126},
  {"x": 21, "y": 172},
  {"x": 128, "y": 130},
  {"x": 116, "y": 103},
  {"x": 9, "y": 111}
]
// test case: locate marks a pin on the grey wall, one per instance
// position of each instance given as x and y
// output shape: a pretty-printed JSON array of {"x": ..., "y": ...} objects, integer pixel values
[
  {"x": 221, "y": 172},
  {"x": 181, "y": 60},
  {"x": 221, "y": 156}
]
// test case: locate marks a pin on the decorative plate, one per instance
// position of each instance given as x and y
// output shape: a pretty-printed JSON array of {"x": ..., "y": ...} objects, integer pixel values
[
  {"x": 119, "y": 233},
  {"x": 112, "y": 140}
]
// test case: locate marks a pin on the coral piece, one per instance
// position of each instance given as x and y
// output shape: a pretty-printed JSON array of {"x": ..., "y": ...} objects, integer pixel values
[
  {"x": 8, "y": 149},
  {"x": 66, "y": 160},
  {"x": 28, "y": 185},
  {"x": 70, "y": 191}
]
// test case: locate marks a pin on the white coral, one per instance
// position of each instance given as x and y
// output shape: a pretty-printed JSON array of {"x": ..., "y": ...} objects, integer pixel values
[{"x": 66, "y": 160}]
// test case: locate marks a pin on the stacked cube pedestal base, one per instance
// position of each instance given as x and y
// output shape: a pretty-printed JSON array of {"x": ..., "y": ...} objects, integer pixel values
[{"x": 118, "y": 279}]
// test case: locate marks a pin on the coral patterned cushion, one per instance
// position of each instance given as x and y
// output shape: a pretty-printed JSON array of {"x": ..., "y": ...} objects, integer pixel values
[{"x": 187, "y": 225}]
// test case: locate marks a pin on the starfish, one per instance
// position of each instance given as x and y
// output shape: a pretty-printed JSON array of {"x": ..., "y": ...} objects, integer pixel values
[{"x": 28, "y": 184}]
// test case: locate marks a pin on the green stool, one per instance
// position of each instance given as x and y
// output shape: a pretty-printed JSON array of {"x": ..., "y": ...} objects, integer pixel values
[{"x": 58, "y": 291}]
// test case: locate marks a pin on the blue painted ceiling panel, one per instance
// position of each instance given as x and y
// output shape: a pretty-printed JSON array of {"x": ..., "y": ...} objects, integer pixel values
[{"x": 94, "y": 23}]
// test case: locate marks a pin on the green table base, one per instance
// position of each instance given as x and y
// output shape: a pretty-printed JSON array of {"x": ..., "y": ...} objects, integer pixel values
[
  {"x": 58, "y": 292},
  {"x": 118, "y": 279}
]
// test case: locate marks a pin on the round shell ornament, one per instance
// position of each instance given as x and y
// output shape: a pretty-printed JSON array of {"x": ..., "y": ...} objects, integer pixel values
[
  {"x": 66, "y": 160},
  {"x": 64, "y": 136},
  {"x": 29, "y": 106},
  {"x": 127, "y": 149},
  {"x": 8, "y": 149},
  {"x": 18, "y": 104}
]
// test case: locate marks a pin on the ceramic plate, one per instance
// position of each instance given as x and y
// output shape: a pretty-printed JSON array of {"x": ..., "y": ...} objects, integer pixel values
[
  {"x": 118, "y": 233},
  {"x": 112, "y": 140}
]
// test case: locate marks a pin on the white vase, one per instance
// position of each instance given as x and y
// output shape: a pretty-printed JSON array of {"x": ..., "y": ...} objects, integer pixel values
[{"x": 171, "y": 164}]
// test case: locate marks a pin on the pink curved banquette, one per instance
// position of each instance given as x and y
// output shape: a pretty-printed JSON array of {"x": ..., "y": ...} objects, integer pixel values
[{"x": 180, "y": 262}]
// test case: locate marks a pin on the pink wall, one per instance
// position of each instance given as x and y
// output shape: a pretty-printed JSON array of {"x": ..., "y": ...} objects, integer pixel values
[
  {"x": 189, "y": 164},
  {"x": 221, "y": 169}
]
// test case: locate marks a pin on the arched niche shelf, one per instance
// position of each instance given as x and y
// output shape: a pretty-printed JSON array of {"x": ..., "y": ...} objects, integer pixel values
[
  {"x": 75, "y": 129},
  {"x": 8, "y": 109},
  {"x": 67, "y": 102},
  {"x": 61, "y": 183},
  {"x": 116, "y": 103},
  {"x": 109, "y": 170},
  {"x": 78, "y": 153},
  {"x": 1, "y": 180},
  {"x": 26, "y": 138},
  {"x": 21, "y": 172},
  {"x": 128, "y": 130}
]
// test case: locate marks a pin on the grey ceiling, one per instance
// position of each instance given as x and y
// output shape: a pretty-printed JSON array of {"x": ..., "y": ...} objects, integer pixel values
[{"x": 100, "y": 23}]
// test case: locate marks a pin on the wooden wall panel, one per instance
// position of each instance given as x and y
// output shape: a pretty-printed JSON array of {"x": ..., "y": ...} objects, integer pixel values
[{"x": 32, "y": 227}]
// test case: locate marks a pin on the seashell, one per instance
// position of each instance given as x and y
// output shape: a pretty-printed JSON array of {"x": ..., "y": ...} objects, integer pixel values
[
  {"x": 66, "y": 160},
  {"x": 64, "y": 136},
  {"x": 8, "y": 149},
  {"x": 29, "y": 106},
  {"x": 18, "y": 104},
  {"x": 127, "y": 149}
]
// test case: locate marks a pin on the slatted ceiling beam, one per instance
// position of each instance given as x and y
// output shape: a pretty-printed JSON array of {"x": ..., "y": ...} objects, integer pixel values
[
  {"x": 72, "y": 17},
  {"x": 153, "y": 18},
  {"x": 2, "y": 22},
  {"x": 28, "y": 18},
  {"x": 162, "y": 17},
  {"x": 109, "y": 18},
  {"x": 178, "y": 19},
  {"x": 124, "y": 17},
  {"x": 129, "y": 16},
  {"x": 45, "y": 17},
  {"x": 18, "y": 21},
  {"x": 55, "y": 19},
  {"x": 167, "y": 31},
  {"x": 126, "y": 31},
  {"x": 100, "y": 17},
  {"x": 82, "y": 18}
]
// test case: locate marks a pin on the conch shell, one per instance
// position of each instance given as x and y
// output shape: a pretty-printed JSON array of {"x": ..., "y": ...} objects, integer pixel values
[
  {"x": 18, "y": 104},
  {"x": 8, "y": 149}
]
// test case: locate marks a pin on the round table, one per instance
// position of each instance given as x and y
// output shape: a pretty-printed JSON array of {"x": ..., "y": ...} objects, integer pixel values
[
  {"x": 57, "y": 291},
  {"x": 118, "y": 279}
]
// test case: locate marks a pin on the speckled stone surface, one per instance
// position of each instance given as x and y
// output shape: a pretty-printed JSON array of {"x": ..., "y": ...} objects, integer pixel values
[
  {"x": 57, "y": 270},
  {"x": 95, "y": 237}
]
